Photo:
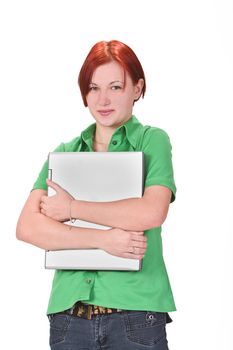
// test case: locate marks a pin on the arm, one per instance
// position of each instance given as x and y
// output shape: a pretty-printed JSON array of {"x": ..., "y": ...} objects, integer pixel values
[
  {"x": 128, "y": 214},
  {"x": 47, "y": 233},
  {"x": 137, "y": 214}
]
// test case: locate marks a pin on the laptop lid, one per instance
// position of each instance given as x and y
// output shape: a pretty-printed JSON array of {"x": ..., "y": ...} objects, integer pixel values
[{"x": 97, "y": 177}]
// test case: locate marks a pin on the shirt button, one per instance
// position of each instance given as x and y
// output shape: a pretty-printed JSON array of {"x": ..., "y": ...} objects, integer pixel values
[
  {"x": 114, "y": 142},
  {"x": 88, "y": 280}
]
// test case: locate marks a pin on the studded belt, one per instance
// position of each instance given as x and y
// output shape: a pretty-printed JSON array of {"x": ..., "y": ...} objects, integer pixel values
[{"x": 87, "y": 311}]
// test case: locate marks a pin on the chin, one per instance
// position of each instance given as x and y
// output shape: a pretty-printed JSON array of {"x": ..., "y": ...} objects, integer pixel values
[{"x": 106, "y": 121}]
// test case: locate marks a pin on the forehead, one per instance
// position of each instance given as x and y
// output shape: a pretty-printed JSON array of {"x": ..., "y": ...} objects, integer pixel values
[{"x": 108, "y": 72}]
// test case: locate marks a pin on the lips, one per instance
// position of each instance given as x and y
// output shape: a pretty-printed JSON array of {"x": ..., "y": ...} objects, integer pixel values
[{"x": 105, "y": 112}]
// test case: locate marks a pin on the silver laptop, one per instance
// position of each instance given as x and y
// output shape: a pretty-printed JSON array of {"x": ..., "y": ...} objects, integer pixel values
[{"x": 97, "y": 177}]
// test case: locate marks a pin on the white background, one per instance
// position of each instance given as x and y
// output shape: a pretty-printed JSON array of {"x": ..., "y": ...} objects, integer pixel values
[{"x": 186, "y": 50}]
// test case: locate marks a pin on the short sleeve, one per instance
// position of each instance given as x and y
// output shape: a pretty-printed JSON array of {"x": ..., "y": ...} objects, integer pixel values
[
  {"x": 43, "y": 175},
  {"x": 158, "y": 160}
]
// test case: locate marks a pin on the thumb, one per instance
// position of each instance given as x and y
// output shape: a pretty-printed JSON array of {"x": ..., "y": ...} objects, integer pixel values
[{"x": 53, "y": 185}]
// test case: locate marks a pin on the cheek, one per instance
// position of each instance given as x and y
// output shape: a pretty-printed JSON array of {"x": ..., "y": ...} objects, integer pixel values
[
  {"x": 124, "y": 98},
  {"x": 91, "y": 99},
  {"x": 126, "y": 101}
]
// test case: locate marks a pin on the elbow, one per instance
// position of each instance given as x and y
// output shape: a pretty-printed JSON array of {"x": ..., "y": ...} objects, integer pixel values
[
  {"x": 146, "y": 221},
  {"x": 21, "y": 232},
  {"x": 155, "y": 220},
  {"x": 25, "y": 231}
]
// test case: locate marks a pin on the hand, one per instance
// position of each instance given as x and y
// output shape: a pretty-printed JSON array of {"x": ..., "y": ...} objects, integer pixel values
[
  {"x": 56, "y": 207},
  {"x": 126, "y": 244}
]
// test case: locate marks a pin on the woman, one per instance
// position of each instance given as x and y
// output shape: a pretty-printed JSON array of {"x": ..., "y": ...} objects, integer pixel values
[{"x": 109, "y": 309}]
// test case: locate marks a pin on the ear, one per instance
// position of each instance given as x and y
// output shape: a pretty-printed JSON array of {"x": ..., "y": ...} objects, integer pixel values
[{"x": 138, "y": 89}]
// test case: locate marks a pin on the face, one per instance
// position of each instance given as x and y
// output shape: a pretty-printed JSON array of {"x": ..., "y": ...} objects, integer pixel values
[{"x": 111, "y": 96}]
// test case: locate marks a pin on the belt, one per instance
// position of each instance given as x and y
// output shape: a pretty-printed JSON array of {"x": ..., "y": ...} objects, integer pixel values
[{"x": 88, "y": 310}]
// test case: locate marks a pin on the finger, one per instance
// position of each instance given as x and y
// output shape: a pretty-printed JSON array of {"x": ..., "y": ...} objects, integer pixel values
[
  {"x": 138, "y": 233},
  {"x": 137, "y": 250},
  {"x": 137, "y": 244},
  {"x": 131, "y": 250},
  {"x": 42, "y": 211},
  {"x": 43, "y": 199},
  {"x": 53, "y": 185},
  {"x": 138, "y": 238}
]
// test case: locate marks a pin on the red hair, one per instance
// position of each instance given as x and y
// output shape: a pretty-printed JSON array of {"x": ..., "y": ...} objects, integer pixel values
[{"x": 105, "y": 52}]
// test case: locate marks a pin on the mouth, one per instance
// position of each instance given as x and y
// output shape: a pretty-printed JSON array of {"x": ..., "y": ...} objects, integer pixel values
[{"x": 105, "y": 112}]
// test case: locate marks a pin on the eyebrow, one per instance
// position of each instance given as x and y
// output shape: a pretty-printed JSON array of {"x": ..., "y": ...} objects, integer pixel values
[
  {"x": 116, "y": 81},
  {"x": 112, "y": 82}
]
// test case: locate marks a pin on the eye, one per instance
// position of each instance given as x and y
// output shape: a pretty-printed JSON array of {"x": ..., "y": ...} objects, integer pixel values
[
  {"x": 93, "y": 88},
  {"x": 116, "y": 87}
]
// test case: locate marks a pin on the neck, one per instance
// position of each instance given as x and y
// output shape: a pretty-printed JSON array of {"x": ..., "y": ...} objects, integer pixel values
[{"x": 103, "y": 135}]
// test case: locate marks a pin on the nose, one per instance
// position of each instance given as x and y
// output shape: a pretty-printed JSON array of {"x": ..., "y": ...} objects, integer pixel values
[{"x": 104, "y": 99}]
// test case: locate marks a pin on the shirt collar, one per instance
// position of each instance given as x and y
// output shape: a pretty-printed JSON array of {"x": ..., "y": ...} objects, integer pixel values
[{"x": 132, "y": 128}]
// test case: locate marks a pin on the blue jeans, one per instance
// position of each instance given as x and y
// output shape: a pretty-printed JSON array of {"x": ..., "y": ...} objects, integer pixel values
[{"x": 128, "y": 330}]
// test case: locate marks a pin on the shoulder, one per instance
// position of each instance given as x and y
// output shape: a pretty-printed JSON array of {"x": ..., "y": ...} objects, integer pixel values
[
  {"x": 155, "y": 131},
  {"x": 70, "y": 146},
  {"x": 155, "y": 136}
]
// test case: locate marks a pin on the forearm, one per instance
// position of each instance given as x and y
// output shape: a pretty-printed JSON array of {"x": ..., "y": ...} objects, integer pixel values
[
  {"x": 49, "y": 234},
  {"x": 127, "y": 214}
]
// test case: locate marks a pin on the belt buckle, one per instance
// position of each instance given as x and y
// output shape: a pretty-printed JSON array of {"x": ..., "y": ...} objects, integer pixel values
[
  {"x": 83, "y": 311},
  {"x": 89, "y": 312}
]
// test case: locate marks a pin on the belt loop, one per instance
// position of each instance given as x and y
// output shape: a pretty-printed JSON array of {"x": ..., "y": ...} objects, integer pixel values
[
  {"x": 50, "y": 316},
  {"x": 71, "y": 310}
]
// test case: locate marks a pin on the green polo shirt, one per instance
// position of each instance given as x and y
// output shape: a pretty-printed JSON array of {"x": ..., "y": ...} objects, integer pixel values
[{"x": 148, "y": 289}]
